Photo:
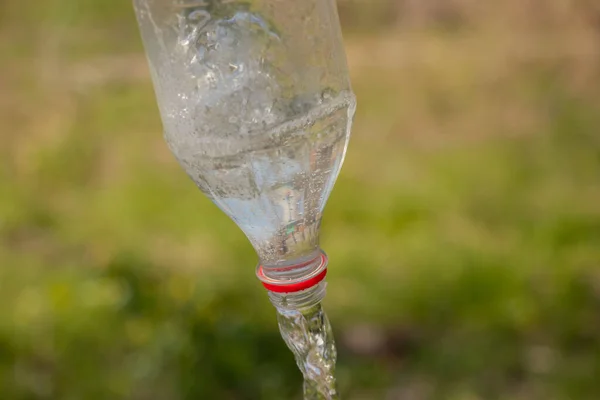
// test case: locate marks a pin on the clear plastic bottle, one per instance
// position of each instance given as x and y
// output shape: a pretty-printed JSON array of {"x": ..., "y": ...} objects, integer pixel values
[{"x": 257, "y": 107}]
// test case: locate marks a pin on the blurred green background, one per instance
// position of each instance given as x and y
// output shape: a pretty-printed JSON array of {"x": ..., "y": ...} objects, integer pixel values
[{"x": 464, "y": 230}]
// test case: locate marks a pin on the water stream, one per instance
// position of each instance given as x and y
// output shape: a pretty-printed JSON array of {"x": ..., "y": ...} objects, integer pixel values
[{"x": 306, "y": 330}]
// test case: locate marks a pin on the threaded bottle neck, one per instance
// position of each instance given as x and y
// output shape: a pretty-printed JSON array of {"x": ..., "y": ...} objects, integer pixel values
[{"x": 302, "y": 300}]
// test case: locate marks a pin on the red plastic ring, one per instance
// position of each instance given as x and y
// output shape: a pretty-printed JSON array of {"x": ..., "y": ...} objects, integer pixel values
[{"x": 292, "y": 287}]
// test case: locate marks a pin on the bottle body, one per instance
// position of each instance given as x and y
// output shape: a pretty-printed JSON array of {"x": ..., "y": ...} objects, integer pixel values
[{"x": 257, "y": 107}]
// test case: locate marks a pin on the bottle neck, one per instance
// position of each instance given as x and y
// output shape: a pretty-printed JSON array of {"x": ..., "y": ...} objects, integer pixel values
[
  {"x": 303, "y": 300},
  {"x": 295, "y": 276},
  {"x": 294, "y": 270}
]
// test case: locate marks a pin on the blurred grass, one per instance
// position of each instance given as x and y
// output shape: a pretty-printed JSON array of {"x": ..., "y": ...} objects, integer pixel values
[{"x": 463, "y": 230}]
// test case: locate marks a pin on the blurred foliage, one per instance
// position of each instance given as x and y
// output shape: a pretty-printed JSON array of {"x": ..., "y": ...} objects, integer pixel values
[{"x": 463, "y": 231}]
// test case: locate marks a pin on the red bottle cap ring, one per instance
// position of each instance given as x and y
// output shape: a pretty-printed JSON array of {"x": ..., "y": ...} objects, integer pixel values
[{"x": 296, "y": 286}]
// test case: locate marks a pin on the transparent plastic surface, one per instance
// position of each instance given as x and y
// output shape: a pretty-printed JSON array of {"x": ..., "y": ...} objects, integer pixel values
[{"x": 257, "y": 107}]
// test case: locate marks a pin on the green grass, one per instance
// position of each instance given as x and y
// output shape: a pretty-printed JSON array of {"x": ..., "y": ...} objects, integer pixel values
[{"x": 463, "y": 231}]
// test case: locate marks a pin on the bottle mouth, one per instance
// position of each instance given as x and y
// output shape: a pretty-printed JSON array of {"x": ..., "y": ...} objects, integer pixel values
[{"x": 310, "y": 273}]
